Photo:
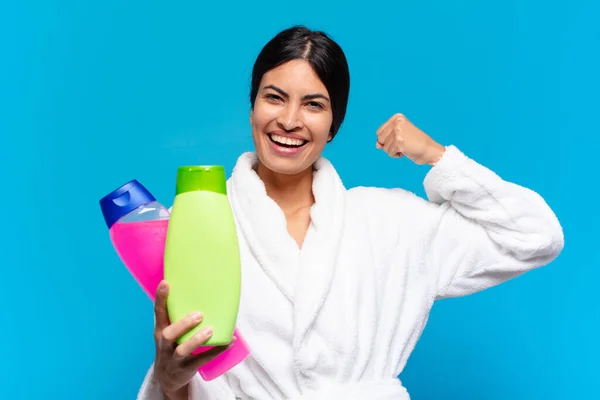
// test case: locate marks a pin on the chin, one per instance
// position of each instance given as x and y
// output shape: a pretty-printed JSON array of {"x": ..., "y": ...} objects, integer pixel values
[
  {"x": 284, "y": 166},
  {"x": 282, "y": 161}
]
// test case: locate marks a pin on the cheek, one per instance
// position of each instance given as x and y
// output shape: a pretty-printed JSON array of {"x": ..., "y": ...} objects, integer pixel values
[
  {"x": 320, "y": 126},
  {"x": 263, "y": 115}
]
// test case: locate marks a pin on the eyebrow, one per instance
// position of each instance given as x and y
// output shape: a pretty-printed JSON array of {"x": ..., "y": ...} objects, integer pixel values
[{"x": 311, "y": 96}]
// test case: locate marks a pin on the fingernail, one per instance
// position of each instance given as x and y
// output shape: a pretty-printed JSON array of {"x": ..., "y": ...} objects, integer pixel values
[
  {"x": 197, "y": 316},
  {"x": 162, "y": 286},
  {"x": 208, "y": 331}
]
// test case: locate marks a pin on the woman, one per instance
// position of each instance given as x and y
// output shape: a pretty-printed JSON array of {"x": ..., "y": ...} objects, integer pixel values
[{"x": 338, "y": 284}]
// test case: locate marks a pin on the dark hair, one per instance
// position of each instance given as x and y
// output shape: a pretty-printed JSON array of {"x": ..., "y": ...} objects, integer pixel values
[{"x": 324, "y": 55}]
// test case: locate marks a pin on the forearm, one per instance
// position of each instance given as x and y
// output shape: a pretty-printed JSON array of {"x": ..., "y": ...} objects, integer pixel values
[
  {"x": 489, "y": 230},
  {"x": 516, "y": 218}
]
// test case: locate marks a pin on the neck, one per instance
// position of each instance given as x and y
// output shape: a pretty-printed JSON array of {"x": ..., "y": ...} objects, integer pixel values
[{"x": 288, "y": 191}]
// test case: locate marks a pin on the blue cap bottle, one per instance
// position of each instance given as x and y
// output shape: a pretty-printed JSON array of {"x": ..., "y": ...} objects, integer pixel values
[{"x": 124, "y": 200}]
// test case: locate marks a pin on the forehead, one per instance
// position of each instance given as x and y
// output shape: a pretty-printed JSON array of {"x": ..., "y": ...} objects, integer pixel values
[{"x": 295, "y": 76}]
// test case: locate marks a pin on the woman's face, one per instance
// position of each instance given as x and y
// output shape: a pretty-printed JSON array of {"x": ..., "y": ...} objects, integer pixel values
[{"x": 291, "y": 119}]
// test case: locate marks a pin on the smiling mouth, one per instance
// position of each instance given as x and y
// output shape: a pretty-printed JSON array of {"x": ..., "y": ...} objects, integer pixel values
[{"x": 286, "y": 141}]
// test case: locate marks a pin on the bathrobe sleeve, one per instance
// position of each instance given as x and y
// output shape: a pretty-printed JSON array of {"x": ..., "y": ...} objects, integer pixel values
[
  {"x": 199, "y": 389},
  {"x": 485, "y": 230}
]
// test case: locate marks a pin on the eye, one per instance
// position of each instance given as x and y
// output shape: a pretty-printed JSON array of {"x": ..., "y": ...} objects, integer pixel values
[
  {"x": 272, "y": 97},
  {"x": 316, "y": 105}
]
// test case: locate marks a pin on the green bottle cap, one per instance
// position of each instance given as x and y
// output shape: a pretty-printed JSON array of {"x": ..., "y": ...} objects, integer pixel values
[{"x": 201, "y": 177}]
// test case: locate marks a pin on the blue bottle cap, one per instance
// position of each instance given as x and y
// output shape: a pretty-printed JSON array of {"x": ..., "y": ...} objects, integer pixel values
[{"x": 124, "y": 200}]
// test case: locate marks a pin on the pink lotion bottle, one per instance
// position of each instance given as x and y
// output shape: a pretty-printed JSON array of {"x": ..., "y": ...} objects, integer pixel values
[{"x": 137, "y": 226}]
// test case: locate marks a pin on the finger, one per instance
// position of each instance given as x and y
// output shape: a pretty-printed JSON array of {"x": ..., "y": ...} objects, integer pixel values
[
  {"x": 174, "y": 331},
  {"x": 390, "y": 145},
  {"x": 383, "y": 132},
  {"x": 186, "y": 348},
  {"x": 197, "y": 360},
  {"x": 385, "y": 126},
  {"x": 160, "y": 306},
  {"x": 383, "y": 136},
  {"x": 383, "y": 129}
]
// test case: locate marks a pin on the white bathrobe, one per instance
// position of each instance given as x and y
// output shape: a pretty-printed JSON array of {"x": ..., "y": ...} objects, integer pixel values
[{"x": 339, "y": 318}]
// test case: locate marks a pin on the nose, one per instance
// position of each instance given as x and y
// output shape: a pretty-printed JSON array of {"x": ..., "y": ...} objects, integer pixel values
[{"x": 289, "y": 118}]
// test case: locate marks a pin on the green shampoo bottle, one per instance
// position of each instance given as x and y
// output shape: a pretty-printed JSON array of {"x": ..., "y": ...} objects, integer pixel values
[{"x": 202, "y": 257}]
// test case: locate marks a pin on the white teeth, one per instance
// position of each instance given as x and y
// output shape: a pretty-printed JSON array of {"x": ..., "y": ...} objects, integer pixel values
[{"x": 286, "y": 140}]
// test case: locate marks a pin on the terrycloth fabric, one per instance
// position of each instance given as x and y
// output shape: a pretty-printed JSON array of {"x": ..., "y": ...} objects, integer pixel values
[{"x": 340, "y": 317}]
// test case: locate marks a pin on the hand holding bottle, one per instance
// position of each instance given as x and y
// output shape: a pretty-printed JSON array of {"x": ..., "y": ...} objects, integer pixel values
[{"x": 175, "y": 365}]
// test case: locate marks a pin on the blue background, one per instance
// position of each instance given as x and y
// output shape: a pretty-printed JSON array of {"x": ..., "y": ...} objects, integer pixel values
[{"x": 93, "y": 94}]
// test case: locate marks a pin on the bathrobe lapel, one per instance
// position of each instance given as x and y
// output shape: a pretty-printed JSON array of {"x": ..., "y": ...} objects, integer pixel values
[{"x": 303, "y": 276}]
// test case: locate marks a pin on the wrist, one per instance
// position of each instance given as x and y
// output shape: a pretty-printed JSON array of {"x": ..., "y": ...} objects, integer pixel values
[
  {"x": 179, "y": 394},
  {"x": 436, "y": 154}
]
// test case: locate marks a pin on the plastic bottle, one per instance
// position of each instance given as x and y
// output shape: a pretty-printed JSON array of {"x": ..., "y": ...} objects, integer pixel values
[
  {"x": 202, "y": 257},
  {"x": 138, "y": 227}
]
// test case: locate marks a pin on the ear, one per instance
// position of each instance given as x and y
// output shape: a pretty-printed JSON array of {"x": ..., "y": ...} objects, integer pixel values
[
  {"x": 250, "y": 117},
  {"x": 330, "y": 137}
]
